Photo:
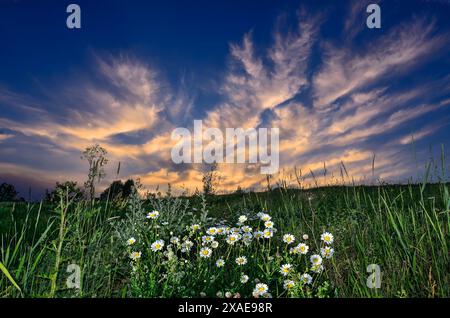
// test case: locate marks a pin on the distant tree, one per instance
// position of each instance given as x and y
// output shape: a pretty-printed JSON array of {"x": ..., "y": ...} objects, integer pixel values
[
  {"x": 96, "y": 157},
  {"x": 210, "y": 178},
  {"x": 68, "y": 189},
  {"x": 8, "y": 193},
  {"x": 117, "y": 190}
]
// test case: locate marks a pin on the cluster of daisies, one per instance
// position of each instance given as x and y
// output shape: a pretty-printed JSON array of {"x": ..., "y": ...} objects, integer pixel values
[{"x": 242, "y": 233}]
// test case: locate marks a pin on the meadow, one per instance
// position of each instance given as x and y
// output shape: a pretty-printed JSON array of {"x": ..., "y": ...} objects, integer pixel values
[{"x": 283, "y": 242}]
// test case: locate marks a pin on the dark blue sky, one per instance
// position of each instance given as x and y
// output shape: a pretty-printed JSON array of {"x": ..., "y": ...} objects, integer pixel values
[{"x": 308, "y": 66}]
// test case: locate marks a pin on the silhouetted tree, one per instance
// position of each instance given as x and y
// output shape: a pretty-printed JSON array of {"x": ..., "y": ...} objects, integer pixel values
[
  {"x": 118, "y": 190},
  {"x": 68, "y": 189},
  {"x": 8, "y": 193}
]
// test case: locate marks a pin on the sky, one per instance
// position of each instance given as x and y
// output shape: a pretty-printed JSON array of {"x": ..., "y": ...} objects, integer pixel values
[{"x": 340, "y": 93}]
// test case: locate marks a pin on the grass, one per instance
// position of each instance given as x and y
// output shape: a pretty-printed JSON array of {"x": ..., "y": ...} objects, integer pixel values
[{"x": 404, "y": 229}]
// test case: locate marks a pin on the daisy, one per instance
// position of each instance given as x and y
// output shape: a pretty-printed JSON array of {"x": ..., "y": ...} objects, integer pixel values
[
  {"x": 285, "y": 269},
  {"x": 260, "y": 289},
  {"x": 212, "y": 231},
  {"x": 288, "y": 284},
  {"x": 135, "y": 255},
  {"x": 327, "y": 238},
  {"x": 265, "y": 217},
  {"x": 288, "y": 238},
  {"x": 306, "y": 279},
  {"x": 153, "y": 215},
  {"x": 317, "y": 268},
  {"x": 241, "y": 260},
  {"x": 305, "y": 237},
  {"x": 247, "y": 236},
  {"x": 316, "y": 259},
  {"x": 242, "y": 219},
  {"x": 246, "y": 229},
  {"x": 327, "y": 252},
  {"x": 215, "y": 244},
  {"x": 131, "y": 241},
  {"x": 244, "y": 279},
  {"x": 258, "y": 234},
  {"x": 232, "y": 238},
  {"x": 205, "y": 252},
  {"x": 195, "y": 227},
  {"x": 207, "y": 239},
  {"x": 268, "y": 224},
  {"x": 174, "y": 240},
  {"x": 302, "y": 248},
  {"x": 268, "y": 233},
  {"x": 157, "y": 245},
  {"x": 220, "y": 262}
]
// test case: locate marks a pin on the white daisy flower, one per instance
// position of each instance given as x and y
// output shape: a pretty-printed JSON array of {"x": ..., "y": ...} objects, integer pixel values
[
  {"x": 268, "y": 233},
  {"x": 265, "y": 217},
  {"x": 242, "y": 219},
  {"x": 303, "y": 248},
  {"x": 246, "y": 229},
  {"x": 247, "y": 236},
  {"x": 285, "y": 269},
  {"x": 305, "y": 237},
  {"x": 232, "y": 238},
  {"x": 268, "y": 224},
  {"x": 327, "y": 252},
  {"x": 174, "y": 240},
  {"x": 260, "y": 289},
  {"x": 131, "y": 241},
  {"x": 241, "y": 260},
  {"x": 327, "y": 238},
  {"x": 244, "y": 279},
  {"x": 258, "y": 234},
  {"x": 220, "y": 262},
  {"x": 235, "y": 230},
  {"x": 207, "y": 239},
  {"x": 215, "y": 244},
  {"x": 288, "y": 284},
  {"x": 317, "y": 268},
  {"x": 195, "y": 227},
  {"x": 212, "y": 231},
  {"x": 288, "y": 238},
  {"x": 205, "y": 252},
  {"x": 306, "y": 279},
  {"x": 135, "y": 255},
  {"x": 153, "y": 215},
  {"x": 316, "y": 259},
  {"x": 157, "y": 245}
]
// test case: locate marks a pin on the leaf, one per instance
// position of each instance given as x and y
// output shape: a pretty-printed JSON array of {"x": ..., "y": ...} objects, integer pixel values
[{"x": 8, "y": 275}]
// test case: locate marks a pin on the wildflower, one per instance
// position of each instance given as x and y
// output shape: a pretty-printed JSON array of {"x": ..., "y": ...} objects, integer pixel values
[
  {"x": 247, "y": 236},
  {"x": 244, "y": 279},
  {"x": 241, "y": 260},
  {"x": 212, "y": 231},
  {"x": 327, "y": 238},
  {"x": 305, "y": 237},
  {"x": 268, "y": 233},
  {"x": 246, "y": 229},
  {"x": 157, "y": 245},
  {"x": 195, "y": 227},
  {"x": 228, "y": 295},
  {"x": 186, "y": 246},
  {"x": 215, "y": 244},
  {"x": 235, "y": 230},
  {"x": 317, "y": 268},
  {"x": 219, "y": 294},
  {"x": 268, "y": 224},
  {"x": 174, "y": 240},
  {"x": 288, "y": 284},
  {"x": 135, "y": 255},
  {"x": 207, "y": 239},
  {"x": 153, "y": 215},
  {"x": 220, "y": 262},
  {"x": 258, "y": 234},
  {"x": 237, "y": 295},
  {"x": 205, "y": 252},
  {"x": 288, "y": 238},
  {"x": 285, "y": 269},
  {"x": 265, "y": 217},
  {"x": 327, "y": 252},
  {"x": 306, "y": 279},
  {"x": 232, "y": 238},
  {"x": 316, "y": 259},
  {"x": 242, "y": 219},
  {"x": 202, "y": 294},
  {"x": 302, "y": 248},
  {"x": 131, "y": 241},
  {"x": 260, "y": 289}
]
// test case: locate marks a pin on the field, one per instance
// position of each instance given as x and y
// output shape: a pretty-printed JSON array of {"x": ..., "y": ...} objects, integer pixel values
[{"x": 345, "y": 241}]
